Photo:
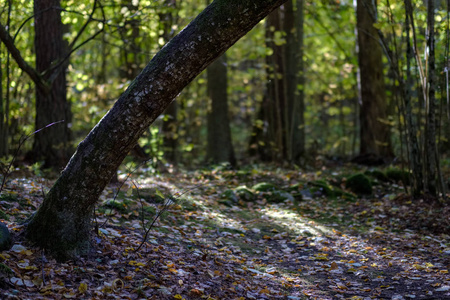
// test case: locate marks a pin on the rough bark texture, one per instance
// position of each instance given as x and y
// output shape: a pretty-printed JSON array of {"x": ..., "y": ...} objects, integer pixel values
[
  {"x": 293, "y": 26},
  {"x": 375, "y": 134},
  {"x": 51, "y": 106},
  {"x": 170, "y": 121},
  {"x": 62, "y": 222},
  {"x": 430, "y": 138},
  {"x": 414, "y": 154},
  {"x": 220, "y": 147},
  {"x": 3, "y": 116}
]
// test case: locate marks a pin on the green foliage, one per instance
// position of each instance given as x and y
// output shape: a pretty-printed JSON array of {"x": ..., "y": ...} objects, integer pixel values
[{"x": 99, "y": 72}]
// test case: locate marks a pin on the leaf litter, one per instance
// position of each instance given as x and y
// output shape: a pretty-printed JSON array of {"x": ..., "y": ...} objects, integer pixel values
[{"x": 308, "y": 246}]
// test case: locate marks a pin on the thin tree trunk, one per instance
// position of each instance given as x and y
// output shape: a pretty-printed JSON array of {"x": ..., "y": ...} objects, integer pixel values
[
  {"x": 4, "y": 102},
  {"x": 63, "y": 221},
  {"x": 430, "y": 137},
  {"x": 411, "y": 127},
  {"x": 170, "y": 121},
  {"x": 3, "y": 115},
  {"x": 52, "y": 147},
  {"x": 220, "y": 147}
]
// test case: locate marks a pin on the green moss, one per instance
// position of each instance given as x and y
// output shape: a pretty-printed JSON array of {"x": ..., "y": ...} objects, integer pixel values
[
  {"x": 3, "y": 215},
  {"x": 229, "y": 195},
  {"x": 377, "y": 174},
  {"x": 398, "y": 175},
  {"x": 244, "y": 193},
  {"x": 264, "y": 187},
  {"x": 323, "y": 187},
  {"x": 279, "y": 196},
  {"x": 117, "y": 205},
  {"x": 5, "y": 270},
  {"x": 359, "y": 184}
]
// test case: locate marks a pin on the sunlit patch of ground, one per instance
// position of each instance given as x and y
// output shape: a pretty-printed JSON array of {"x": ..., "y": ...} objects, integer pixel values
[{"x": 313, "y": 248}]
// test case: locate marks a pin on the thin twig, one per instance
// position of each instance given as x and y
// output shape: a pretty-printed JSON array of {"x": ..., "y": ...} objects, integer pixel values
[
  {"x": 171, "y": 200},
  {"x": 22, "y": 140}
]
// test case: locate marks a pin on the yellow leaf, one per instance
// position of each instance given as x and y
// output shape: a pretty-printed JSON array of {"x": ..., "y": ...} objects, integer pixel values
[
  {"x": 69, "y": 295},
  {"x": 158, "y": 192},
  {"x": 130, "y": 192},
  {"x": 178, "y": 297},
  {"x": 443, "y": 271},
  {"x": 82, "y": 288},
  {"x": 334, "y": 266},
  {"x": 264, "y": 291},
  {"x": 117, "y": 284},
  {"x": 341, "y": 286}
]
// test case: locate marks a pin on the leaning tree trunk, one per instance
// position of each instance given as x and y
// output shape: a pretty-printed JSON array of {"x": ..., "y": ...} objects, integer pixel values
[{"x": 62, "y": 223}]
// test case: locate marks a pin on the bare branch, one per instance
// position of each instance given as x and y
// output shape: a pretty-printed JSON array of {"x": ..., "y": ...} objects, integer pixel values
[{"x": 15, "y": 53}]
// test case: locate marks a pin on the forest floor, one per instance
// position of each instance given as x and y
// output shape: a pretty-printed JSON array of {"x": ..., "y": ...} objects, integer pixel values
[{"x": 282, "y": 236}]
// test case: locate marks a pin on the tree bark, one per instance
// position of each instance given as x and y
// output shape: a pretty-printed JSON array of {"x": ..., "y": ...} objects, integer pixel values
[
  {"x": 295, "y": 78},
  {"x": 53, "y": 147},
  {"x": 170, "y": 120},
  {"x": 62, "y": 223},
  {"x": 431, "y": 158},
  {"x": 414, "y": 154},
  {"x": 279, "y": 131},
  {"x": 220, "y": 147},
  {"x": 374, "y": 132},
  {"x": 4, "y": 122}
]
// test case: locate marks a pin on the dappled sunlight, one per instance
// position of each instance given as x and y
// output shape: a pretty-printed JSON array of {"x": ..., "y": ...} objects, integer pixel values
[
  {"x": 292, "y": 221},
  {"x": 313, "y": 248}
]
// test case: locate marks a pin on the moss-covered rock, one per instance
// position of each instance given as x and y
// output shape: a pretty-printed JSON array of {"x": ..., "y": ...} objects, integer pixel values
[
  {"x": 264, "y": 187},
  {"x": 5, "y": 238},
  {"x": 377, "y": 174},
  {"x": 359, "y": 184},
  {"x": 278, "y": 196},
  {"x": 322, "y": 187},
  {"x": 229, "y": 195},
  {"x": 244, "y": 193},
  {"x": 398, "y": 175}
]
